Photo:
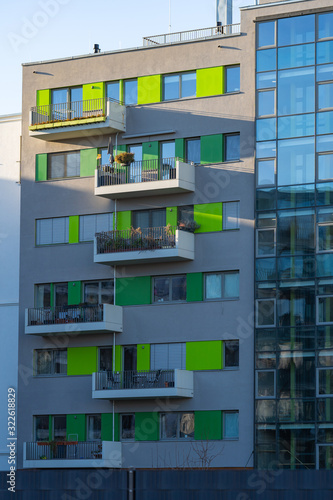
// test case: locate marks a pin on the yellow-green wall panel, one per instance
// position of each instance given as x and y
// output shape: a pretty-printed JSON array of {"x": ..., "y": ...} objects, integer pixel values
[
  {"x": 209, "y": 216},
  {"x": 210, "y": 81},
  {"x": 149, "y": 89}
]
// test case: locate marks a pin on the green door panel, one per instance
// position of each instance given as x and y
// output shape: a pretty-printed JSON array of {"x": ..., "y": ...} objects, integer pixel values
[
  {"x": 180, "y": 149},
  {"x": 143, "y": 357},
  {"x": 107, "y": 427},
  {"x": 171, "y": 216},
  {"x": 74, "y": 293},
  {"x": 76, "y": 426}
]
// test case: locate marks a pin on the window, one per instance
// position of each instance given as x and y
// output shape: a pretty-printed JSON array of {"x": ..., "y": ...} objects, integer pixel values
[
  {"x": 59, "y": 428},
  {"x": 61, "y": 165},
  {"x": 169, "y": 288},
  {"x": 325, "y": 309},
  {"x": 230, "y": 425},
  {"x": 265, "y": 312},
  {"x": 325, "y": 237},
  {"x": 325, "y": 382},
  {"x": 325, "y": 95},
  {"x": 266, "y": 103},
  {"x": 149, "y": 218},
  {"x": 179, "y": 85},
  {"x": 177, "y": 425},
  {"x": 67, "y": 103},
  {"x": 325, "y": 166},
  {"x": 266, "y": 244},
  {"x": 266, "y": 34},
  {"x": 222, "y": 285},
  {"x": 112, "y": 90},
  {"x": 92, "y": 224},
  {"x": 43, "y": 295},
  {"x": 61, "y": 294},
  {"x": 105, "y": 359},
  {"x": 231, "y": 353},
  {"x": 51, "y": 362},
  {"x": 232, "y": 77},
  {"x": 265, "y": 382},
  {"x": 192, "y": 151},
  {"x": 168, "y": 153},
  {"x": 168, "y": 356},
  {"x": 52, "y": 231},
  {"x": 127, "y": 426},
  {"x": 98, "y": 292},
  {"x": 130, "y": 357},
  {"x": 266, "y": 173},
  {"x": 41, "y": 428},
  {"x": 231, "y": 215},
  {"x": 131, "y": 92},
  {"x": 232, "y": 147},
  {"x": 94, "y": 427}
]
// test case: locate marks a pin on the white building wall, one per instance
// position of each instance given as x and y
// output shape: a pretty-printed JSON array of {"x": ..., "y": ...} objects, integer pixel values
[{"x": 10, "y": 137}]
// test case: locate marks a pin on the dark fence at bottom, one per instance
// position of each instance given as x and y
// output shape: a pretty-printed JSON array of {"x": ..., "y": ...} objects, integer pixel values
[{"x": 108, "y": 484}]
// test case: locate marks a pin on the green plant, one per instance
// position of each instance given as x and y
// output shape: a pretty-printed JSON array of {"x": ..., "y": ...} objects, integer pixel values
[
  {"x": 125, "y": 158},
  {"x": 188, "y": 225}
]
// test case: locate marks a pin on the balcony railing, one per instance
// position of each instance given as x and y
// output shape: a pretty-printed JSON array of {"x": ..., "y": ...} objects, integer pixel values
[
  {"x": 138, "y": 171},
  {"x": 63, "y": 450},
  {"x": 65, "y": 314},
  {"x": 188, "y": 36},
  {"x": 128, "y": 240},
  {"x": 68, "y": 111},
  {"x": 134, "y": 380}
]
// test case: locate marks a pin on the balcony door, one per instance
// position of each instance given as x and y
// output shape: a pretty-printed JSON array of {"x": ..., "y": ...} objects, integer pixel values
[
  {"x": 130, "y": 357},
  {"x": 135, "y": 168},
  {"x": 148, "y": 219}
]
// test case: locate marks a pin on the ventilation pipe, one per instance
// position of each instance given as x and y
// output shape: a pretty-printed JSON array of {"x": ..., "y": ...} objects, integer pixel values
[{"x": 223, "y": 12}]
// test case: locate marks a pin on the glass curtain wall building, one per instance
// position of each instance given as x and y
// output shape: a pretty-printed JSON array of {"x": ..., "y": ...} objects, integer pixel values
[{"x": 294, "y": 242}]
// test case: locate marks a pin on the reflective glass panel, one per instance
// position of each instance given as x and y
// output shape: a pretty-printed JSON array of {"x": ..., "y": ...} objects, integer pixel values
[
  {"x": 178, "y": 288},
  {"x": 267, "y": 80},
  {"x": 296, "y": 30},
  {"x": 266, "y": 149},
  {"x": 325, "y": 193},
  {"x": 325, "y": 237},
  {"x": 326, "y": 382},
  {"x": 325, "y": 143},
  {"x": 296, "y": 196},
  {"x": 296, "y": 91},
  {"x": 296, "y": 126},
  {"x": 296, "y": 161},
  {"x": 325, "y": 73},
  {"x": 186, "y": 425},
  {"x": 230, "y": 427},
  {"x": 325, "y": 25},
  {"x": 232, "y": 147},
  {"x": 265, "y": 312},
  {"x": 325, "y": 95},
  {"x": 266, "y": 129},
  {"x": 131, "y": 91},
  {"x": 296, "y": 306},
  {"x": 265, "y": 242},
  {"x": 213, "y": 286},
  {"x": 231, "y": 353},
  {"x": 325, "y": 265},
  {"x": 188, "y": 84},
  {"x": 266, "y": 103},
  {"x": 231, "y": 285},
  {"x": 296, "y": 267},
  {"x": 265, "y": 199},
  {"x": 325, "y": 167},
  {"x": 112, "y": 90},
  {"x": 266, "y": 34},
  {"x": 296, "y": 232},
  {"x": 59, "y": 96},
  {"x": 42, "y": 428},
  {"x": 265, "y": 384},
  {"x": 266, "y": 60},
  {"x": 325, "y": 122},
  {"x": 171, "y": 87},
  {"x": 128, "y": 426},
  {"x": 325, "y": 52},
  {"x": 193, "y": 151},
  {"x": 169, "y": 425},
  {"x": 266, "y": 172},
  {"x": 232, "y": 78},
  {"x": 265, "y": 269},
  {"x": 298, "y": 55}
]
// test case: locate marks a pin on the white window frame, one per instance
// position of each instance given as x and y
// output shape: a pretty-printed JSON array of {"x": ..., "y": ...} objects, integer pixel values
[
  {"x": 257, "y": 242},
  {"x": 257, "y": 312},
  {"x": 317, "y": 310},
  {"x": 66, "y": 231},
  {"x": 265, "y": 371},
  {"x": 238, "y": 216},
  {"x": 53, "y": 372},
  {"x": 222, "y": 275}
]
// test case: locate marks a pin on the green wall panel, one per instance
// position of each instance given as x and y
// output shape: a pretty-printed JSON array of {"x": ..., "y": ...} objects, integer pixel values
[
  {"x": 107, "y": 427},
  {"x": 211, "y": 148},
  {"x": 194, "y": 287},
  {"x": 133, "y": 291},
  {"x": 209, "y": 216},
  {"x": 88, "y": 162},
  {"x": 93, "y": 91},
  {"x": 73, "y": 232},
  {"x": 76, "y": 424},
  {"x": 146, "y": 426},
  {"x": 41, "y": 167},
  {"x": 210, "y": 81},
  {"x": 121, "y": 91},
  {"x": 208, "y": 425},
  {"x": 81, "y": 360},
  {"x": 119, "y": 358},
  {"x": 74, "y": 293},
  {"x": 121, "y": 148},
  {"x": 205, "y": 355},
  {"x": 149, "y": 89},
  {"x": 43, "y": 97},
  {"x": 171, "y": 216},
  {"x": 150, "y": 150},
  {"x": 143, "y": 357},
  {"x": 124, "y": 220},
  {"x": 180, "y": 148}
]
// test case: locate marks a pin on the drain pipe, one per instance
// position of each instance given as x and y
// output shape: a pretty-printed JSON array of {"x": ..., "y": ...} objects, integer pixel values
[{"x": 131, "y": 484}]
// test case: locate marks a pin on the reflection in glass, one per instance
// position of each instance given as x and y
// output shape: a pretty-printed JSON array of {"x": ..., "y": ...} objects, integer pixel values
[
  {"x": 265, "y": 312},
  {"x": 171, "y": 87},
  {"x": 266, "y": 60},
  {"x": 265, "y": 242},
  {"x": 296, "y": 161},
  {"x": 297, "y": 267},
  {"x": 131, "y": 92},
  {"x": 265, "y": 199},
  {"x": 296, "y": 196},
  {"x": 296, "y": 305},
  {"x": 325, "y": 73},
  {"x": 266, "y": 34},
  {"x": 296, "y": 91},
  {"x": 232, "y": 79},
  {"x": 325, "y": 25},
  {"x": 188, "y": 84},
  {"x": 266, "y": 172},
  {"x": 325, "y": 122},
  {"x": 325, "y": 167},
  {"x": 296, "y": 30},
  {"x": 112, "y": 90},
  {"x": 324, "y": 193},
  {"x": 266, "y": 129},
  {"x": 298, "y": 55},
  {"x": 265, "y": 269},
  {"x": 296, "y": 232},
  {"x": 267, "y": 80},
  {"x": 325, "y": 95},
  {"x": 324, "y": 143},
  {"x": 266, "y": 384},
  {"x": 266, "y": 103},
  {"x": 325, "y": 52},
  {"x": 266, "y": 149},
  {"x": 296, "y": 126}
]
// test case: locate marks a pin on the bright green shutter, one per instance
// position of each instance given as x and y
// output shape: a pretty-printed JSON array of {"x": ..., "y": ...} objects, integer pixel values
[
  {"x": 149, "y": 89},
  {"x": 43, "y": 97},
  {"x": 41, "y": 167},
  {"x": 119, "y": 358},
  {"x": 150, "y": 150},
  {"x": 211, "y": 149},
  {"x": 124, "y": 220},
  {"x": 88, "y": 162},
  {"x": 210, "y": 81},
  {"x": 93, "y": 91},
  {"x": 146, "y": 426},
  {"x": 208, "y": 425},
  {"x": 76, "y": 426},
  {"x": 206, "y": 355},
  {"x": 143, "y": 357},
  {"x": 194, "y": 287},
  {"x": 73, "y": 232},
  {"x": 107, "y": 427},
  {"x": 81, "y": 360},
  {"x": 209, "y": 216},
  {"x": 74, "y": 293},
  {"x": 133, "y": 291},
  {"x": 171, "y": 216},
  {"x": 180, "y": 149}
]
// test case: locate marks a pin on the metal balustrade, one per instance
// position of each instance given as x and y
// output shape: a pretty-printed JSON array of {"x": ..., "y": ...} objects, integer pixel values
[
  {"x": 133, "y": 379},
  {"x": 65, "y": 314},
  {"x": 68, "y": 111},
  {"x": 188, "y": 36},
  {"x": 138, "y": 171},
  {"x": 127, "y": 240},
  {"x": 63, "y": 450}
]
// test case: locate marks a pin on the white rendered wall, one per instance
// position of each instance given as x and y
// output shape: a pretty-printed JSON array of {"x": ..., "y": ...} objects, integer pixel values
[{"x": 10, "y": 132}]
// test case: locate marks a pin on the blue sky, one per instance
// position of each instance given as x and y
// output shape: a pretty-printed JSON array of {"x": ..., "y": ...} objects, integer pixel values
[{"x": 37, "y": 30}]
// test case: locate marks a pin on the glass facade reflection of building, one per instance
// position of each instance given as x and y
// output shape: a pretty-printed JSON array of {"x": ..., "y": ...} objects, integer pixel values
[{"x": 294, "y": 242}]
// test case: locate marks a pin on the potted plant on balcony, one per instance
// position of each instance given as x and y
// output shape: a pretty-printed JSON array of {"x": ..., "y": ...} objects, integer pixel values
[
  {"x": 124, "y": 158},
  {"x": 188, "y": 225}
]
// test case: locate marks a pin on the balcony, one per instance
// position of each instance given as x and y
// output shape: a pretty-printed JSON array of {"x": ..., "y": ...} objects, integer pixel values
[
  {"x": 145, "y": 178},
  {"x": 73, "y": 320},
  {"x": 72, "y": 454},
  {"x": 142, "y": 384},
  {"x": 54, "y": 122},
  {"x": 131, "y": 246}
]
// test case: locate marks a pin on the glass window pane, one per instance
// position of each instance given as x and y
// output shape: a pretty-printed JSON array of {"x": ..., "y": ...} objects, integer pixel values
[
  {"x": 76, "y": 94},
  {"x": 59, "y": 96},
  {"x": 266, "y": 149},
  {"x": 296, "y": 196},
  {"x": 266, "y": 199},
  {"x": 325, "y": 122},
  {"x": 325, "y": 309},
  {"x": 324, "y": 193},
  {"x": 42, "y": 428},
  {"x": 324, "y": 265},
  {"x": 94, "y": 427},
  {"x": 56, "y": 166},
  {"x": 107, "y": 292},
  {"x": 90, "y": 292},
  {"x": 265, "y": 384},
  {"x": 131, "y": 91},
  {"x": 232, "y": 147},
  {"x": 266, "y": 129},
  {"x": 161, "y": 289},
  {"x": 325, "y": 237},
  {"x": 265, "y": 269},
  {"x": 213, "y": 286},
  {"x": 325, "y": 96},
  {"x": 169, "y": 424},
  {"x": 325, "y": 25},
  {"x": 186, "y": 425},
  {"x": 59, "y": 428},
  {"x": 44, "y": 232},
  {"x": 231, "y": 353},
  {"x": 296, "y": 126},
  {"x": 73, "y": 164},
  {"x": 266, "y": 80},
  {"x": 266, "y": 103},
  {"x": 296, "y": 30},
  {"x": 325, "y": 52},
  {"x": 296, "y": 161},
  {"x": 266, "y": 60},
  {"x": 127, "y": 426},
  {"x": 44, "y": 362},
  {"x": 193, "y": 151},
  {"x": 266, "y": 34},
  {"x": 105, "y": 359},
  {"x": 231, "y": 215},
  {"x": 188, "y": 84},
  {"x": 299, "y": 55},
  {"x": 232, "y": 78},
  {"x": 168, "y": 150},
  {"x": 60, "y": 230},
  {"x": 265, "y": 312},
  {"x": 231, "y": 285},
  {"x": 296, "y": 91},
  {"x": 325, "y": 143},
  {"x": 266, "y": 172},
  {"x": 325, "y": 73},
  {"x": 112, "y": 90},
  {"x": 325, "y": 167},
  {"x": 296, "y": 232},
  {"x": 61, "y": 294},
  {"x": 230, "y": 425},
  {"x": 43, "y": 295},
  {"x": 266, "y": 242},
  {"x": 60, "y": 362},
  {"x": 326, "y": 382},
  {"x": 178, "y": 288},
  {"x": 171, "y": 87}
]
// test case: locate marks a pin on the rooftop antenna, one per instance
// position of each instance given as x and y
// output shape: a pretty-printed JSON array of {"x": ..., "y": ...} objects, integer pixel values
[
  {"x": 223, "y": 12},
  {"x": 169, "y": 16}
]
